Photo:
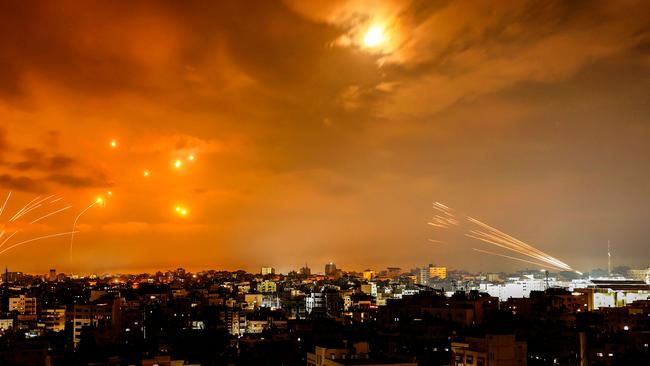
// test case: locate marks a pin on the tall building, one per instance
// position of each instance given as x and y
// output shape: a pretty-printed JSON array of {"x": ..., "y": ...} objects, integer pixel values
[
  {"x": 267, "y": 271},
  {"x": 52, "y": 276},
  {"x": 330, "y": 269},
  {"x": 423, "y": 276}
]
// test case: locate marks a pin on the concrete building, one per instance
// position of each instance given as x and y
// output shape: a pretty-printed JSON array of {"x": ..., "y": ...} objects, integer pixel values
[
  {"x": 53, "y": 319},
  {"x": 608, "y": 293},
  {"x": 267, "y": 271},
  {"x": 368, "y": 274},
  {"x": 423, "y": 276},
  {"x": 330, "y": 269},
  {"x": 266, "y": 287},
  {"x": 436, "y": 272},
  {"x": 23, "y": 305},
  {"x": 492, "y": 350},
  {"x": 5, "y": 324}
]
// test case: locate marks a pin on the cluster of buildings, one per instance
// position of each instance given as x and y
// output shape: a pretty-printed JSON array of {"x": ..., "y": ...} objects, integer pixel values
[{"x": 425, "y": 316}]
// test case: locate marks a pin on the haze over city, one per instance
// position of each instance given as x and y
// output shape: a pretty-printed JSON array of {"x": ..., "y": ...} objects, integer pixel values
[{"x": 236, "y": 135}]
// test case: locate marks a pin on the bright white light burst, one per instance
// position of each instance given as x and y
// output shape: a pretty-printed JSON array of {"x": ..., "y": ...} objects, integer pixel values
[{"x": 375, "y": 36}]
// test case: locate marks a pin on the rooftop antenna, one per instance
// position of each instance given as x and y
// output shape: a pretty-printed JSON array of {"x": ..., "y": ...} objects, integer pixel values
[{"x": 609, "y": 259}]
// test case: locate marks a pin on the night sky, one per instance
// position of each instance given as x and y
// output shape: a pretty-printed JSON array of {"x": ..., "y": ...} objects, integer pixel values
[{"x": 323, "y": 131}]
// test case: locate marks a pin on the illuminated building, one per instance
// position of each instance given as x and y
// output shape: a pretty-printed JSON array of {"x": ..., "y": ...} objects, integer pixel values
[
  {"x": 437, "y": 272},
  {"x": 609, "y": 293},
  {"x": 267, "y": 271},
  {"x": 368, "y": 274},
  {"x": 423, "y": 276},
  {"x": 640, "y": 274},
  {"x": 23, "y": 305},
  {"x": 53, "y": 319},
  {"x": 515, "y": 287},
  {"x": 369, "y": 288},
  {"x": 5, "y": 324},
  {"x": 266, "y": 287}
]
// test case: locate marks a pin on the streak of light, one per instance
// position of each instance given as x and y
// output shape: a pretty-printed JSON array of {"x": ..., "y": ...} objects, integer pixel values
[
  {"x": 56, "y": 200},
  {"x": 23, "y": 209},
  {"x": 5, "y": 204},
  {"x": 556, "y": 261},
  {"x": 437, "y": 241},
  {"x": 9, "y": 237},
  {"x": 33, "y": 207},
  {"x": 513, "y": 247},
  {"x": 74, "y": 225},
  {"x": 50, "y": 214},
  {"x": 517, "y": 259},
  {"x": 507, "y": 246},
  {"x": 34, "y": 239}
]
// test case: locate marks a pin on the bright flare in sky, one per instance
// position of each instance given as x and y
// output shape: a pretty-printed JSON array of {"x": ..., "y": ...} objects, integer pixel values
[
  {"x": 375, "y": 36},
  {"x": 191, "y": 157},
  {"x": 146, "y": 173},
  {"x": 178, "y": 163},
  {"x": 113, "y": 143}
]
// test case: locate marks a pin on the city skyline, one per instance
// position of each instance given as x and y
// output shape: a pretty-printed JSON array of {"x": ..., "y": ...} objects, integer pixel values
[{"x": 231, "y": 136}]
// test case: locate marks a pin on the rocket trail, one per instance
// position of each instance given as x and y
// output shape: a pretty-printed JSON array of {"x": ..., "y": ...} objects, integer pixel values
[
  {"x": 50, "y": 214},
  {"x": 23, "y": 209},
  {"x": 493, "y": 236},
  {"x": 5, "y": 204},
  {"x": 518, "y": 242},
  {"x": 9, "y": 237},
  {"x": 530, "y": 247},
  {"x": 35, "y": 239},
  {"x": 516, "y": 247},
  {"x": 514, "y": 258}
]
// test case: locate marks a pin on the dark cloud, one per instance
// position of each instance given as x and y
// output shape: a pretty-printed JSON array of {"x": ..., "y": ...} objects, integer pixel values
[
  {"x": 532, "y": 115},
  {"x": 34, "y": 159},
  {"x": 21, "y": 183},
  {"x": 74, "y": 181}
]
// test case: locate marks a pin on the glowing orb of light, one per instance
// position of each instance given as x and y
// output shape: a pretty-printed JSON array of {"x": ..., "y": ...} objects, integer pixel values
[
  {"x": 183, "y": 212},
  {"x": 113, "y": 143},
  {"x": 100, "y": 200},
  {"x": 146, "y": 173},
  {"x": 178, "y": 163},
  {"x": 178, "y": 209},
  {"x": 191, "y": 157},
  {"x": 110, "y": 193},
  {"x": 375, "y": 36}
]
